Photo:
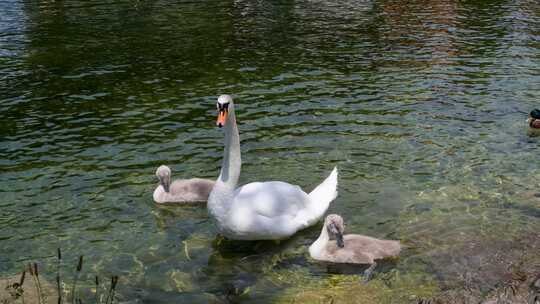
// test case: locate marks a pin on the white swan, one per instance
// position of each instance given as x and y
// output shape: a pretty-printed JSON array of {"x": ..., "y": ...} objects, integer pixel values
[
  {"x": 192, "y": 190},
  {"x": 260, "y": 211}
]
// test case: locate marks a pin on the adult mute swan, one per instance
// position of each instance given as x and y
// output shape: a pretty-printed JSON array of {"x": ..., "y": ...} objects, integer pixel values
[
  {"x": 350, "y": 248},
  {"x": 192, "y": 190},
  {"x": 260, "y": 211}
]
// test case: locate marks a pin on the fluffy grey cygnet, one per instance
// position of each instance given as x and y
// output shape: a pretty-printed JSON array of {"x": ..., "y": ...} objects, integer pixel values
[
  {"x": 192, "y": 190},
  {"x": 350, "y": 248}
]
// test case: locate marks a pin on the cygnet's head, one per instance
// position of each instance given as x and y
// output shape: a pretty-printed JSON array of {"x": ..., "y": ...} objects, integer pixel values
[
  {"x": 224, "y": 102},
  {"x": 164, "y": 175},
  {"x": 334, "y": 225}
]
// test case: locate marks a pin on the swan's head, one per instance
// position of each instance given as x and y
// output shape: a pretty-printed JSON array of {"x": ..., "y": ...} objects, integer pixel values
[
  {"x": 224, "y": 103},
  {"x": 334, "y": 225},
  {"x": 534, "y": 119},
  {"x": 164, "y": 175}
]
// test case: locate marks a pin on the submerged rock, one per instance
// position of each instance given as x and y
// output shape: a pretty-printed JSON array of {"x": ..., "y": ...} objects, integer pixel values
[
  {"x": 492, "y": 269},
  {"x": 476, "y": 242},
  {"x": 521, "y": 289},
  {"x": 394, "y": 288}
]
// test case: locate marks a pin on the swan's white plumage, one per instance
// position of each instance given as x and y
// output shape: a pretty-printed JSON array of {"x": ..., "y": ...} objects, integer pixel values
[
  {"x": 267, "y": 198},
  {"x": 262, "y": 210},
  {"x": 269, "y": 210}
]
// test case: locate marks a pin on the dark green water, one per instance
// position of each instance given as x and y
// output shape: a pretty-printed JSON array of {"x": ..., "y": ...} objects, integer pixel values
[{"x": 421, "y": 104}]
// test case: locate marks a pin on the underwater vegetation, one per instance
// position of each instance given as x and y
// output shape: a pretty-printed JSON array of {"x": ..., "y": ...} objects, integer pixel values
[{"x": 34, "y": 288}]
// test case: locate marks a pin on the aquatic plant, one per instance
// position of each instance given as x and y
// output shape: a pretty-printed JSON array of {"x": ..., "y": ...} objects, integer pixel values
[
  {"x": 79, "y": 268},
  {"x": 42, "y": 292},
  {"x": 58, "y": 287},
  {"x": 114, "y": 281},
  {"x": 33, "y": 269}
]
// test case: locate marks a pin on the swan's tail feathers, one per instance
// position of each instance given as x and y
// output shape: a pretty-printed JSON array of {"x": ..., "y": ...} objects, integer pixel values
[{"x": 323, "y": 194}]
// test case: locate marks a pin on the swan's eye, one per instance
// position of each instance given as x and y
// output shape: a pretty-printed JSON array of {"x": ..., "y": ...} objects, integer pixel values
[{"x": 223, "y": 107}]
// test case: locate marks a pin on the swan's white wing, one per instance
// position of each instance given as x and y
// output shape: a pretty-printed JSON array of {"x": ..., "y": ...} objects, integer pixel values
[
  {"x": 267, "y": 210},
  {"x": 271, "y": 199}
]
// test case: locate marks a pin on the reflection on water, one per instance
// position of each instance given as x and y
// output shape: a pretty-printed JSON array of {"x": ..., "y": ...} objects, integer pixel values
[{"x": 420, "y": 103}]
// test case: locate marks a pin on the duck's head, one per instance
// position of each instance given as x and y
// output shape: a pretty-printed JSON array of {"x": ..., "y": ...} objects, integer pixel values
[
  {"x": 334, "y": 225},
  {"x": 224, "y": 105},
  {"x": 164, "y": 175},
  {"x": 534, "y": 119}
]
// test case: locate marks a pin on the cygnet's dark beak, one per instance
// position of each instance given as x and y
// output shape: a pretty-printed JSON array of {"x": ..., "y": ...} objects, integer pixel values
[
  {"x": 164, "y": 183},
  {"x": 339, "y": 240},
  {"x": 339, "y": 236}
]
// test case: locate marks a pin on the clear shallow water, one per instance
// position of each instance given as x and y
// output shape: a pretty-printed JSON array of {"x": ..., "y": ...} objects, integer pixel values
[{"x": 421, "y": 104}]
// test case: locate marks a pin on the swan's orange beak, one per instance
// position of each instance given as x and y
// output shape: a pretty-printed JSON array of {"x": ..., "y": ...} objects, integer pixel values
[{"x": 222, "y": 118}]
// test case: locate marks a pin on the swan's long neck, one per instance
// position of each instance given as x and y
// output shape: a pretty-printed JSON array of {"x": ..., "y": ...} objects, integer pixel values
[
  {"x": 317, "y": 248},
  {"x": 232, "y": 162},
  {"x": 221, "y": 195}
]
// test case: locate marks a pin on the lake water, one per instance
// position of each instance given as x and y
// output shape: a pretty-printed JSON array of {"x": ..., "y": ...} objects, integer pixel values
[{"x": 420, "y": 104}]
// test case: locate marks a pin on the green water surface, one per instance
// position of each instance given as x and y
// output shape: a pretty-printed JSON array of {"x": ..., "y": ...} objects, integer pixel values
[{"x": 420, "y": 104}]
